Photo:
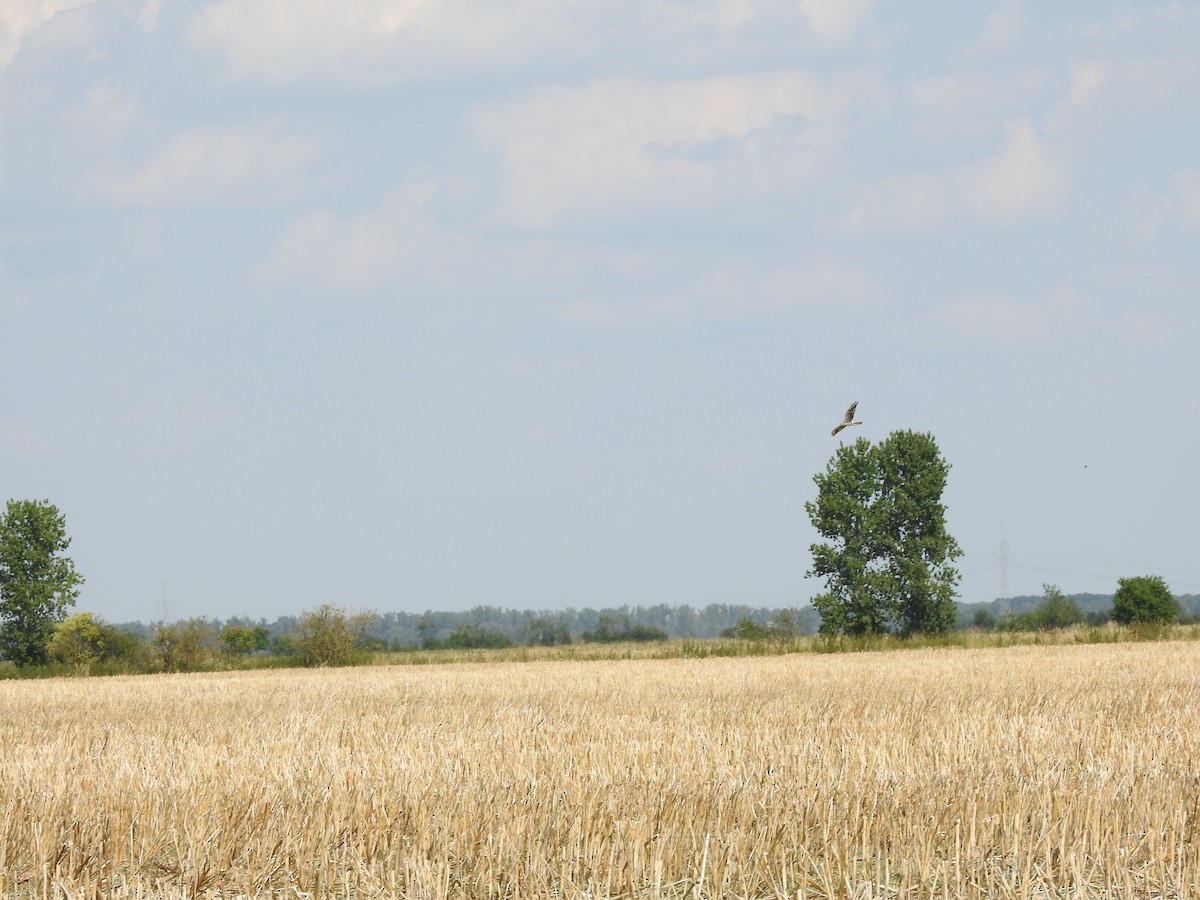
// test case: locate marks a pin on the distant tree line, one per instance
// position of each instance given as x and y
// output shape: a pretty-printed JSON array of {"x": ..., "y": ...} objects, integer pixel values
[
  {"x": 38, "y": 583},
  {"x": 1138, "y": 600},
  {"x": 330, "y": 635}
]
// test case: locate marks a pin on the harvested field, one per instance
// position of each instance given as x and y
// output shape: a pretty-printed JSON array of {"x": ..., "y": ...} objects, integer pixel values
[{"x": 1056, "y": 771}]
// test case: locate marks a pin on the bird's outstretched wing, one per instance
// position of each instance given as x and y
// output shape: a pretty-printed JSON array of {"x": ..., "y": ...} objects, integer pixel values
[{"x": 848, "y": 420}]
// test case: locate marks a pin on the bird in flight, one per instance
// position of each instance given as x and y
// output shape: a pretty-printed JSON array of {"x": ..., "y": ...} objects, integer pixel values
[{"x": 849, "y": 420}]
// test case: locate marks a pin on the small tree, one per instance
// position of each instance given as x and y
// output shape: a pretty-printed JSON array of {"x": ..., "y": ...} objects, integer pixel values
[
  {"x": 37, "y": 583},
  {"x": 984, "y": 620},
  {"x": 611, "y": 629},
  {"x": 79, "y": 641},
  {"x": 237, "y": 641},
  {"x": 327, "y": 636},
  {"x": 1056, "y": 611},
  {"x": 748, "y": 630},
  {"x": 469, "y": 636},
  {"x": 546, "y": 632},
  {"x": 184, "y": 646},
  {"x": 1145, "y": 598},
  {"x": 785, "y": 626}
]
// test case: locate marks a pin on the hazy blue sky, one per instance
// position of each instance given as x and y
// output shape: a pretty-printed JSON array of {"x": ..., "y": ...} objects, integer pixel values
[{"x": 411, "y": 305}]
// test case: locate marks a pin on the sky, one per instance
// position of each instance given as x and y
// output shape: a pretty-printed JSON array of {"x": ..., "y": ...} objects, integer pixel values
[{"x": 407, "y": 305}]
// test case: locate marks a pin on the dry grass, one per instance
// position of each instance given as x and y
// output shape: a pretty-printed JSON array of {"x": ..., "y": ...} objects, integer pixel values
[{"x": 1057, "y": 771}]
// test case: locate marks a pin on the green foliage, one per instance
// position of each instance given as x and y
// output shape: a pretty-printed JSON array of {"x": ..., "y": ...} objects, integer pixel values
[
  {"x": 372, "y": 644},
  {"x": 237, "y": 641},
  {"x": 82, "y": 640},
  {"x": 612, "y": 629},
  {"x": 786, "y": 626},
  {"x": 1056, "y": 611},
  {"x": 887, "y": 555},
  {"x": 545, "y": 631},
  {"x": 37, "y": 583},
  {"x": 184, "y": 646},
  {"x": 467, "y": 637},
  {"x": 983, "y": 620},
  {"x": 1144, "y": 599},
  {"x": 327, "y": 636},
  {"x": 748, "y": 630}
]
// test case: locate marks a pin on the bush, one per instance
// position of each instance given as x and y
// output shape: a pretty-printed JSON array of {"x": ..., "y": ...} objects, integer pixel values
[
  {"x": 1056, "y": 611},
  {"x": 469, "y": 637},
  {"x": 1145, "y": 599},
  {"x": 747, "y": 630},
  {"x": 83, "y": 640},
  {"x": 613, "y": 629},
  {"x": 546, "y": 632},
  {"x": 237, "y": 641},
  {"x": 184, "y": 646},
  {"x": 984, "y": 620},
  {"x": 327, "y": 636},
  {"x": 372, "y": 643}
]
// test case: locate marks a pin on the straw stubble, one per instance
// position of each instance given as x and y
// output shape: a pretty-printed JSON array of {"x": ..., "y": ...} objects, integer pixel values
[{"x": 1062, "y": 771}]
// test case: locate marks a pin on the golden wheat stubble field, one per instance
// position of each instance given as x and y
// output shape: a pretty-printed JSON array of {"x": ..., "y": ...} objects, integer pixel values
[{"x": 1064, "y": 771}]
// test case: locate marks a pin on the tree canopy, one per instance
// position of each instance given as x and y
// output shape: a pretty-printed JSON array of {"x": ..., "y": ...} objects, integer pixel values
[
  {"x": 887, "y": 556},
  {"x": 1145, "y": 598},
  {"x": 37, "y": 582}
]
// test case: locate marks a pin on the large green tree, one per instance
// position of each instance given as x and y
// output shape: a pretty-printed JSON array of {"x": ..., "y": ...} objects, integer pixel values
[
  {"x": 37, "y": 582},
  {"x": 887, "y": 557},
  {"x": 1145, "y": 598}
]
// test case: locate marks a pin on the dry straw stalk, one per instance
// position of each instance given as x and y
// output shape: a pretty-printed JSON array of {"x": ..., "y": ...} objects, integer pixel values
[{"x": 1053, "y": 771}]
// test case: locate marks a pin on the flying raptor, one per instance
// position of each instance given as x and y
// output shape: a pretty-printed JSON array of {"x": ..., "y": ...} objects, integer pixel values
[{"x": 849, "y": 420}]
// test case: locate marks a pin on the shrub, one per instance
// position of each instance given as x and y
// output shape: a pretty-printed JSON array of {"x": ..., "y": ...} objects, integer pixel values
[
  {"x": 327, "y": 636},
  {"x": 546, "y": 632},
  {"x": 467, "y": 636},
  {"x": 82, "y": 640},
  {"x": 236, "y": 641},
  {"x": 613, "y": 629},
  {"x": 748, "y": 630},
  {"x": 184, "y": 646},
  {"x": 984, "y": 620},
  {"x": 1056, "y": 611}
]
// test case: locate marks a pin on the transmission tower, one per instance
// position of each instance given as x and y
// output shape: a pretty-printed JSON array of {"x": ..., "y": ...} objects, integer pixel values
[{"x": 1005, "y": 559}]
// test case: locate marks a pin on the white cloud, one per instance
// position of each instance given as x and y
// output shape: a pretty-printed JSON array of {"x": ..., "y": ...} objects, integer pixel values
[
  {"x": 234, "y": 163},
  {"x": 330, "y": 252},
  {"x": 148, "y": 15},
  {"x": 1148, "y": 214},
  {"x": 1172, "y": 19},
  {"x": 20, "y": 18},
  {"x": 108, "y": 111},
  {"x": 21, "y": 437},
  {"x": 1060, "y": 318},
  {"x": 374, "y": 41},
  {"x": 617, "y": 145},
  {"x": 1086, "y": 78},
  {"x": 1003, "y": 29},
  {"x": 1187, "y": 187},
  {"x": 1022, "y": 181},
  {"x": 381, "y": 42},
  {"x": 1002, "y": 319},
  {"x": 836, "y": 20},
  {"x": 959, "y": 111},
  {"x": 732, "y": 289}
]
